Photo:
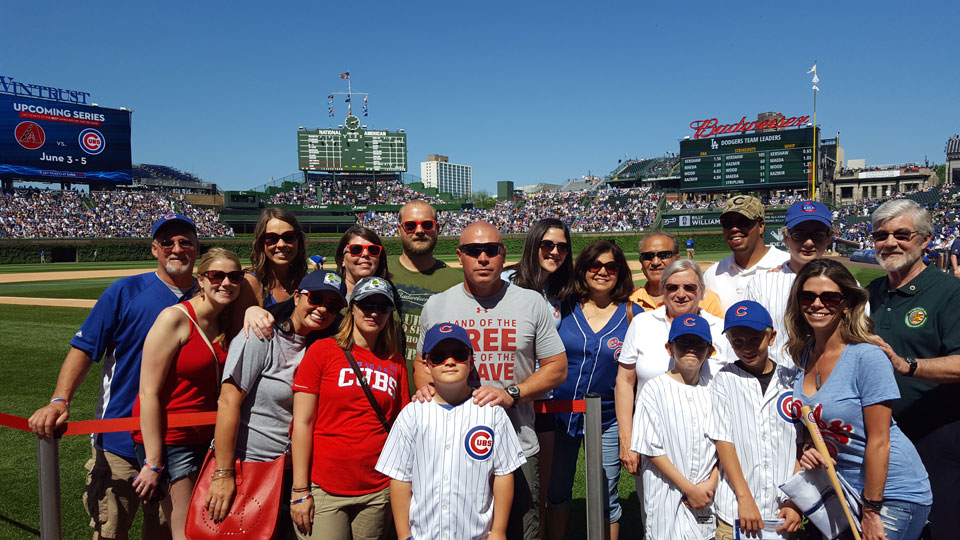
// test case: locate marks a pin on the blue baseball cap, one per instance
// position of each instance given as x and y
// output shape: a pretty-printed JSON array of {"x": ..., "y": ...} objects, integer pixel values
[
  {"x": 170, "y": 218},
  {"x": 690, "y": 325},
  {"x": 445, "y": 331},
  {"x": 747, "y": 313},
  {"x": 324, "y": 280},
  {"x": 801, "y": 211}
]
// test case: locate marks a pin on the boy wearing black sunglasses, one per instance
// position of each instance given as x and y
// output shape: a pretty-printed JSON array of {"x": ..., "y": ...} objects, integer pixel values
[{"x": 454, "y": 443}]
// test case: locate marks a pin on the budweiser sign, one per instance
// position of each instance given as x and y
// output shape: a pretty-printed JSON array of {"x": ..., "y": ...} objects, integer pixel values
[{"x": 711, "y": 127}]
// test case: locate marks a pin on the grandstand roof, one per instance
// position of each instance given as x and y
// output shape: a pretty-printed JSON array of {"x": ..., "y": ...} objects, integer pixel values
[{"x": 953, "y": 146}]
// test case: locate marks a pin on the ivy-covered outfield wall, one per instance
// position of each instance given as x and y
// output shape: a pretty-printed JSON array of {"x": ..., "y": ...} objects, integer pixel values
[{"x": 137, "y": 249}]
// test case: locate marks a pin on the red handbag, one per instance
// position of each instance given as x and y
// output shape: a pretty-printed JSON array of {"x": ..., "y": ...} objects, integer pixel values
[{"x": 253, "y": 513}]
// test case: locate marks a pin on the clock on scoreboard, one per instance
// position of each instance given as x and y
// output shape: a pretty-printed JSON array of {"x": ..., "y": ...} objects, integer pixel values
[{"x": 770, "y": 159}]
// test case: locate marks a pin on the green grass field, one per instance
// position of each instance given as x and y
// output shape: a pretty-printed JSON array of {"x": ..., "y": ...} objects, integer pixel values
[{"x": 35, "y": 340}]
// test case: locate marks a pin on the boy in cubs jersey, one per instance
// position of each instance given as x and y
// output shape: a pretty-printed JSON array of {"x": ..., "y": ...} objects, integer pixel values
[
  {"x": 754, "y": 428},
  {"x": 451, "y": 461}
]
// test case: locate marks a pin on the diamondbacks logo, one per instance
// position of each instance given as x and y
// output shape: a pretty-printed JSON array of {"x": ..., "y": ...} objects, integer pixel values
[
  {"x": 91, "y": 141},
  {"x": 916, "y": 317},
  {"x": 740, "y": 311},
  {"x": 788, "y": 408},
  {"x": 479, "y": 443},
  {"x": 30, "y": 135}
]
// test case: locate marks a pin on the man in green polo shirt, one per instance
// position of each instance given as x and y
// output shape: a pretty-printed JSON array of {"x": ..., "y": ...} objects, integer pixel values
[
  {"x": 417, "y": 275},
  {"x": 916, "y": 309}
]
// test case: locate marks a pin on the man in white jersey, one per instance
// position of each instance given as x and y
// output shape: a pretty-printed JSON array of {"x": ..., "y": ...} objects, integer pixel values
[
  {"x": 450, "y": 460},
  {"x": 807, "y": 234},
  {"x": 743, "y": 226},
  {"x": 511, "y": 329}
]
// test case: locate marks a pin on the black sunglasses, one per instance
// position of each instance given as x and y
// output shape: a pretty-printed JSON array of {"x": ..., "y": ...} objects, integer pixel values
[
  {"x": 547, "y": 246},
  {"x": 829, "y": 299},
  {"x": 459, "y": 356},
  {"x": 374, "y": 307},
  {"x": 802, "y": 236},
  {"x": 741, "y": 223},
  {"x": 662, "y": 255},
  {"x": 411, "y": 225},
  {"x": 317, "y": 298},
  {"x": 167, "y": 245},
  {"x": 900, "y": 236},
  {"x": 216, "y": 276},
  {"x": 673, "y": 287},
  {"x": 289, "y": 237},
  {"x": 491, "y": 249}
]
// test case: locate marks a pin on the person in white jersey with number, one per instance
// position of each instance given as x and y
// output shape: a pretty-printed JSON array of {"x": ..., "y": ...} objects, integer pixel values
[
  {"x": 450, "y": 460},
  {"x": 743, "y": 225},
  {"x": 680, "y": 462}
]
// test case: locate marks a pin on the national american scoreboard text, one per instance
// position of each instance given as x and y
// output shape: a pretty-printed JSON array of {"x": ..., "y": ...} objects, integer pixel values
[
  {"x": 352, "y": 148},
  {"x": 772, "y": 159}
]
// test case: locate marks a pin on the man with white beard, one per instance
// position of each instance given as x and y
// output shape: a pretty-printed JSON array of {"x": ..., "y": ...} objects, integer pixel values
[{"x": 914, "y": 308}]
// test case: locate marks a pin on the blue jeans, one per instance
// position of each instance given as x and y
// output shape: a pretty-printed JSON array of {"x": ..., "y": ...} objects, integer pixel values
[
  {"x": 901, "y": 520},
  {"x": 566, "y": 451}
]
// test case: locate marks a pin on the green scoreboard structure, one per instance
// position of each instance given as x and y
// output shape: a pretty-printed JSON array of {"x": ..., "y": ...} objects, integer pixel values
[
  {"x": 352, "y": 148},
  {"x": 762, "y": 160}
]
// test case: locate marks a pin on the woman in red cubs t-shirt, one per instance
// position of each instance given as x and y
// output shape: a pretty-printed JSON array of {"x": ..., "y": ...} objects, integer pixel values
[
  {"x": 341, "y": 496},
  {"x": 179, "y": 373}
]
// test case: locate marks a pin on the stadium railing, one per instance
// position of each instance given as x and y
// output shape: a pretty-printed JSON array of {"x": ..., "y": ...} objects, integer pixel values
[{"x": 48, "y": 457}]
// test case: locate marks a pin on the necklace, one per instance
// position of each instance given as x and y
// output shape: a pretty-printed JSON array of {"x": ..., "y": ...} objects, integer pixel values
[{"x": 817, "y": 381}]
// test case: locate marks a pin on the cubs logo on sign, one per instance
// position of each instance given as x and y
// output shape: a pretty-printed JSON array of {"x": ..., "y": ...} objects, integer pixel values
[
  {"x": 808, "y": 207},
  {"x": 479, "y": 443},
  {"x": 91, "y": 141},
  {"x": 689, "y": 321},
  {"x": 741, "y": 311},
  {"x": 916, "y": 317},
  {"x": 30, "y": 135},
  {"x": 788, "y": 408}
]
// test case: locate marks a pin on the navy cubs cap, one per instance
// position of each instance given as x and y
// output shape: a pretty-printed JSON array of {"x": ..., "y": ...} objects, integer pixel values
[
  {"x": 747, "y": 313},
  {"x": 324, "y": 280},
  {"x": 690, "y": 325},
  {"x": 170, "y": 218},
  {"x": 442, "y": 332},
  {"x": 801, "y": 211}
]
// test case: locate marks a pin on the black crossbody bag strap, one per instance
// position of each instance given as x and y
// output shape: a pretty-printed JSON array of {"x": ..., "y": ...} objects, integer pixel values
[{"x": 366, "y": 390}]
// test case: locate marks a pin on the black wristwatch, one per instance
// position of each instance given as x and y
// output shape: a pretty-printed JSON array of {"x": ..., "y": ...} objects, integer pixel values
[
  {"x": 514, "y": 393},
  {"x": 912, "y": 362}
]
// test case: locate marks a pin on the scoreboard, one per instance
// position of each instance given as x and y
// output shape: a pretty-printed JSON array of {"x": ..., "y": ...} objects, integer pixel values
[
  {"x": 774, "y": 159},
  {"x": 351, "y": 148}
]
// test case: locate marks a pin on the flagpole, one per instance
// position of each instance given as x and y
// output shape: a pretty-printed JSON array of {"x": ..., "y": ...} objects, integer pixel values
[
  {"x": 813, "y": 195},
  {"x": 350, "y": 98}
]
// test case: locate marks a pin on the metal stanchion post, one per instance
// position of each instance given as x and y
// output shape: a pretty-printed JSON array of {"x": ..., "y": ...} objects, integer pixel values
[
  {"x": 596, "y": 486},
  {"x": 48, "y": 475}
]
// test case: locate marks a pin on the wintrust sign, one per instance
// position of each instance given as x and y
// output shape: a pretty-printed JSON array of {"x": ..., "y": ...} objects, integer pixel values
[{"x": 709, "y": 128}]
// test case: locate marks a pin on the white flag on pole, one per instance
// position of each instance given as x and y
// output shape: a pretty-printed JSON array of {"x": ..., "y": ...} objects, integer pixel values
[
  {"x": 817, "y": 88},
  {"x": 813, "y": 69}
]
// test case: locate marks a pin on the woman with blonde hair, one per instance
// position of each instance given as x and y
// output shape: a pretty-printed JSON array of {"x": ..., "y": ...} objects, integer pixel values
[
  {"x": 848, "y": 383},
  {"x": 183, "y": 356},
  {"x": 341, "y": 415}
]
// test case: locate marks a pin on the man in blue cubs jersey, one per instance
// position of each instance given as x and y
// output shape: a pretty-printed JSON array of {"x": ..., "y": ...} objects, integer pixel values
[{"x": 113, "y": 334}]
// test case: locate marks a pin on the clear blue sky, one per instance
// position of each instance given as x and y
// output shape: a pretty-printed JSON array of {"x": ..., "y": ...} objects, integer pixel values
[{"x": 522, "y": 91}]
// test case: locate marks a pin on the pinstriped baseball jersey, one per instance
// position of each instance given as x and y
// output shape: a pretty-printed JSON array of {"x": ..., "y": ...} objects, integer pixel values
[
  {"x": 451, "y": 456},
  {"x": 762, "y": 428},
  {"x": 672, "y": 421}
]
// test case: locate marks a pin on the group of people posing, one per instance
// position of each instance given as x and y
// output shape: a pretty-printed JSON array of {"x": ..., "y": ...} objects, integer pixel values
[{"x": 701, "y": 377}]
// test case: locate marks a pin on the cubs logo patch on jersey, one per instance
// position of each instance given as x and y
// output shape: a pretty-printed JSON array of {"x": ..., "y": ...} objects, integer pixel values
[
  {"x": 479, "y": 443},
  {"x": 788, "y": 408}
]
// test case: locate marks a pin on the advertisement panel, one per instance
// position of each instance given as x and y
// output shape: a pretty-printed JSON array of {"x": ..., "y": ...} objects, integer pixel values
[
  {"x": 54, "y": 141},
  {"x": 710, "y": 220}
]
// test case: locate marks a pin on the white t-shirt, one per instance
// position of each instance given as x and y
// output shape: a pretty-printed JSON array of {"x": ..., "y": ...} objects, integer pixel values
[{"x": 729, "y": 280}]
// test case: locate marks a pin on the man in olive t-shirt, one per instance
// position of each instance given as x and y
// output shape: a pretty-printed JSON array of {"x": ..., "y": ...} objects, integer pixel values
[{"x": 417, "y": 275}]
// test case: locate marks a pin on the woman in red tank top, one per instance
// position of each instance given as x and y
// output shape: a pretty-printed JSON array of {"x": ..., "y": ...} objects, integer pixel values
[{"x": 182, "y": 357}]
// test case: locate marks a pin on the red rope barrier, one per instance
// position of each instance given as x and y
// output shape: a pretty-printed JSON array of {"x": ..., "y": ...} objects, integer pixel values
[{"x": 86, "y": 427}]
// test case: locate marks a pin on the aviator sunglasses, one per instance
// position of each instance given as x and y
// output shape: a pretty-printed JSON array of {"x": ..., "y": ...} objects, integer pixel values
[
  {"x": 547, "y": 246},
  {"x": 829, "y": 299},
  {"x": 217, "y": 276},
  {"x": 596, "y": 266},
  {"x": 900, "y": 236},
  {"x": 271, "y": 239},
  {"x": 412, "y": 224},
  {"x": 357, "y": 249},
  {"x": 167, "y": 245},
  {"x": 673, "y": 287},
  {"x": 491, "y": 249},
  {"x": 662, "y": 255},
  {"x": 459, "y": 356}
]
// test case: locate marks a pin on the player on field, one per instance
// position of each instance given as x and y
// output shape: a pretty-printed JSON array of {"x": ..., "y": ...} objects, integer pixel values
[
  {"x": 754, "y": 427},
  {"x": 680, "y": 470},
  {"x": 450, "y": 460}
]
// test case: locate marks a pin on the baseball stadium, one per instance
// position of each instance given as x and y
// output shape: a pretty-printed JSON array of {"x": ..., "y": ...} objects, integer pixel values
[{"x": 76, "y": 215}]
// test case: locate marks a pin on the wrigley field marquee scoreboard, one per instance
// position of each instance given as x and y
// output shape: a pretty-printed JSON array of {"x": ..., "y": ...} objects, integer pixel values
[
  {"x": 772, "y": 160},
  {"x": 352, "y": 148}
]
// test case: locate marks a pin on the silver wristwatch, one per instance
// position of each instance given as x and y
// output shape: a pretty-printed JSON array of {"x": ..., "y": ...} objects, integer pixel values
[{"x": 514, "y": 393}]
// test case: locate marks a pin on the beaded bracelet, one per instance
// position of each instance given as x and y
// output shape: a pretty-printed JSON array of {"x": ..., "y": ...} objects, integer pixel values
[
  {"x": 152, "y": 468},
  {"x": 301, "y": 499}
]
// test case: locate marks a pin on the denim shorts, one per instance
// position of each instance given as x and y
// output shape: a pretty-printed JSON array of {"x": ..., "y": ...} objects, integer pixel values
[
  {"x": 566, "y": 452},
  {"x": 178, "y": 461}
]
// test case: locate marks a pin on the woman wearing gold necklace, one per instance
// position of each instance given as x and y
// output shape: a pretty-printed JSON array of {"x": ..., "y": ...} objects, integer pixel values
[{"x": 848, "y": 382}]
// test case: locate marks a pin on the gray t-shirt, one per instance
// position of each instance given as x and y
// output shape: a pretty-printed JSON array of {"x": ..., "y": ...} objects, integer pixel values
[
  {"x": 510, "y": 331},
  {"x": 263, "y": 370}
]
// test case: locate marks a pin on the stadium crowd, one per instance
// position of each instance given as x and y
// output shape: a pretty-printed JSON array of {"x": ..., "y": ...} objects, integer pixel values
[
  {"x": 346, "y": 192},
  {"x": 35, "y": 213}
]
